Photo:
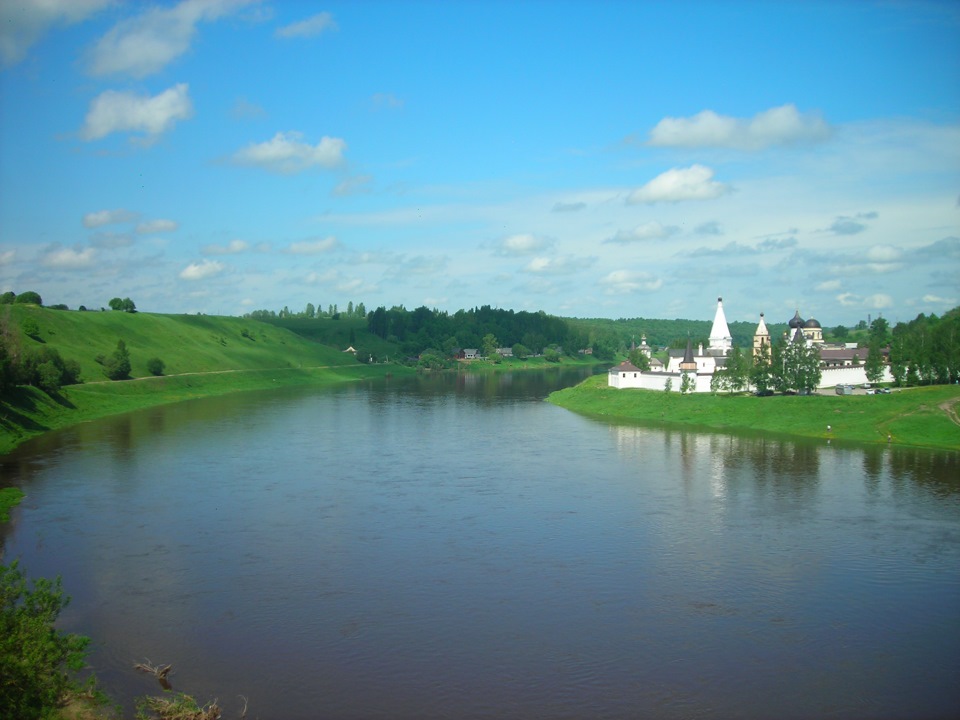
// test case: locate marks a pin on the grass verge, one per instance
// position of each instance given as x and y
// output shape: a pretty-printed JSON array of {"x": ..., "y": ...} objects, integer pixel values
[{"x": 919, "y": 417}]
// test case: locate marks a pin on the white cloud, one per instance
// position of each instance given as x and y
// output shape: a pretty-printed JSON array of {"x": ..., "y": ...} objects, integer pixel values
[
  {"x": 777, "y": 126},
  {"x": 884, "y": 254},
  {"x": 693, "y": 183},
  {"x": 157, "y": 226},
  {"x": 621, "y": 282},
  {"x": 828, "y": 286},
  {"x": 113, "y": 111},
  {"x": 652, "y": 230},
  {"x": 558, "y": 265},
  {"x": 108, "y": 217},
  {"x": 233, "y": 247},
  {"x": 68, "y": 258},
  {"x": 201, "y": 270},
  {"x": 313, "y": 247},
  {"x": 877, "y": 301},
  {"x": 521, "y": 244},
  {"x": 23, "y": 23},
  {"x": 145, "y": 44},
  {"x": 950, "y": 302},
  {"x": 111, "y": 240},
  {"x": 310, "y": 27},
  {"x": 286, "y": 154},
  {"x": 7, "y": 256}
]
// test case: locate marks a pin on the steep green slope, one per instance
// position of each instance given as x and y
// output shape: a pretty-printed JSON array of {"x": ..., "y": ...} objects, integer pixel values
[
  {"x": 185, "y": 343},
  {"x": 203, "y": 356}
]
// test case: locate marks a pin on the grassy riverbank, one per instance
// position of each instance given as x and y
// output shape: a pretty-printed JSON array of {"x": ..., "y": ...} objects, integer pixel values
[
  {"x": 921, "y": 417},
  {"x": 203, "y": 356}
]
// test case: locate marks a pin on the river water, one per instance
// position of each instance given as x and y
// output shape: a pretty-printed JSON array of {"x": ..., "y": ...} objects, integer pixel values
[{"x": 454, "y": 547}]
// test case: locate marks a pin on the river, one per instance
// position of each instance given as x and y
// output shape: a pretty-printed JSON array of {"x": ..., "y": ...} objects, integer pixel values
[{"x": 454, "y": 547}]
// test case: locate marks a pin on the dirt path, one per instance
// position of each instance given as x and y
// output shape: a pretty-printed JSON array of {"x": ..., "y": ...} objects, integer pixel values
[
  {"x": 209, "y": 372},
  {"x": 950, "y": 408}
]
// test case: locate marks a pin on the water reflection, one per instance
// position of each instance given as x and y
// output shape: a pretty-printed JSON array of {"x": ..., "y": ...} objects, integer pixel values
[{"x": 452, "y": 547}]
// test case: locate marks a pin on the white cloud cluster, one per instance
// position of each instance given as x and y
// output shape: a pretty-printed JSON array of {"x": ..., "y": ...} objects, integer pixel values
[
  {"x": 652, "y": 230},
  {"x": 68, "y": 258},
  {"x": 777, "y": 126},
  {"x": 231, "y": 248},
  {"x": 620, "y": 282},
  {"x": 285, "y": 153},
  {"x": 7, "y": 257},
  {"x": 877, "y": 301},
  {"x": 145, "y": 44},
  {"x": 114, "y": 111},
  {"x": 310, "y": 27},
  {"x": 567, "y": 265},
  {"x": 677, "y": 184},
  {"x": 108, "y": 217},
  {"x": 157, "y": 226},
  {"x": 521, "y": 244},
  {"x": 201, "y": 270},
  {"x": 23, "y": 23}
]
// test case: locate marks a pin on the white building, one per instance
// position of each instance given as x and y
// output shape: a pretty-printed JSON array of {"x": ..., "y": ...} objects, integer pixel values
[{"x": 699, "y": 367}]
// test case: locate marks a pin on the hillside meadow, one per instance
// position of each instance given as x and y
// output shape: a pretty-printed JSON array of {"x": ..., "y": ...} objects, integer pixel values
[
  {"x": 202, "y": 355},
  {"x": 919, "y": 417}
]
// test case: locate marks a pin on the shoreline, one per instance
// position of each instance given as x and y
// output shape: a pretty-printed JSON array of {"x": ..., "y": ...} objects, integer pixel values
[
  {"x": 29, "y": 412},
  {"x": 922, "y": 417}
]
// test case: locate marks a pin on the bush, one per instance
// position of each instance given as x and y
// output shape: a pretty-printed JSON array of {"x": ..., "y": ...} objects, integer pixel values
[
  {"x": 117, "y": 366},
  {"x": 35, "y": 658},
  {"x": 29, "y": 297},
  {"x": 155, "y": 366}
]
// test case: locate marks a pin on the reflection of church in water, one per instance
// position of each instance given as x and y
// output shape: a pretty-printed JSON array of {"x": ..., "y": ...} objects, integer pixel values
[{"x": 840, "y": 363}]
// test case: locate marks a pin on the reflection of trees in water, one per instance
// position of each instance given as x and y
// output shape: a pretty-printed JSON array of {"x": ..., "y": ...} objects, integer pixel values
[{"x": 937, "y": 472}]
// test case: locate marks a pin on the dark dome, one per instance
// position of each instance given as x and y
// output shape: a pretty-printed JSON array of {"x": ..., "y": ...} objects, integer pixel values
[
  {"x": 811, "y": 323},
  {"x": 797, "y": 321}
]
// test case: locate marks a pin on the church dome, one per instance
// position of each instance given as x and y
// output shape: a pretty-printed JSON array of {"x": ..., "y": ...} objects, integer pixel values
[
  {"x": 796, "y": 322},
  {"x": 811, "y": 323}
]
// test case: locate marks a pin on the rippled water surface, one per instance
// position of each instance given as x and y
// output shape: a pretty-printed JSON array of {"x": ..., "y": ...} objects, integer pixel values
[{"x": 455, "y": 547}]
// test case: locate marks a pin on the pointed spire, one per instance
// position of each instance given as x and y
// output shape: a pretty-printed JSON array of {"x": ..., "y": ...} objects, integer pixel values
[{"x": 720, "y": 338}]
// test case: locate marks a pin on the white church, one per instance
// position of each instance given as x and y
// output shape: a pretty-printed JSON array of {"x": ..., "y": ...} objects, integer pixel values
[{"x": 839, "y": 365}]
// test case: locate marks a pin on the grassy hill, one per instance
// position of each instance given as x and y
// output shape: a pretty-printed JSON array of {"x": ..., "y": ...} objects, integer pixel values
[
  {"x": 186, "y": 343},
  {"x": 203, "y": 355}
]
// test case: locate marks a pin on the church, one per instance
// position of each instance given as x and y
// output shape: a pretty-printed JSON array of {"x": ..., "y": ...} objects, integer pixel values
[{"x": 842, "y": 364}]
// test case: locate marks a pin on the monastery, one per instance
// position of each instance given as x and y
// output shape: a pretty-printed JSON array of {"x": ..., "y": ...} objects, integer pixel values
[{"x": 840, "y": 364}]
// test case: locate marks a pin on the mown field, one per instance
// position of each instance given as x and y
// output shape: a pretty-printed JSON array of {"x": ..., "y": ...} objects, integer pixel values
[
  {"x": 921, "y": 417},
  {"x": 203, "y": 355}
]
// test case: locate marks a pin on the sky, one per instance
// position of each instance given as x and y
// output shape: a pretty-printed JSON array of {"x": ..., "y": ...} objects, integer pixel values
[{"x": 587, "y": 159}]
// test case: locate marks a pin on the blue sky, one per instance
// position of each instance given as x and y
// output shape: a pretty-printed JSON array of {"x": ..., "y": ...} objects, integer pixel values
[{"x": 589, "y": 159}]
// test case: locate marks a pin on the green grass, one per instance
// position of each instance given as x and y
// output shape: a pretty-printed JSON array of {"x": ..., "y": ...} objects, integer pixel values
[
  {"x": 9, "y": 498},
  {"x": 204, "y": 355},
  {"x": 909, "y": 417}
]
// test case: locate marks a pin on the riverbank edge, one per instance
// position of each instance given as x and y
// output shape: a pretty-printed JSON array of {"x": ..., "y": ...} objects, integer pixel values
[
  {"x": 916, "y": 417},
  {"x": 29, "y": 412}
]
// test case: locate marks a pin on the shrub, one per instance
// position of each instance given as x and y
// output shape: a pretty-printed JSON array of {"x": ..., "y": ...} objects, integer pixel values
[
  {"x": 155, "y": 366},
  {"x": 35, "y": 658},
  {"x": 29, "y": 297},
  {"x": 117, "y": 366}
]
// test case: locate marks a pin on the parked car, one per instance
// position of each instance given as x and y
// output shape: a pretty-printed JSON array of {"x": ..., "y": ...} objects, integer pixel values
[{"x": 883, "y": 391}]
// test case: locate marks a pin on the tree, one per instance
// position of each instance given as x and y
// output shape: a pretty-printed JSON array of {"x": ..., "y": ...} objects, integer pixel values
[
  {"x": 117, "y": 366},
  {"x": 668, "y": 385},
  {"x": 800, "y": 367},
  {"x": 310, "y": 311},
  {"x": 737, "y": 370},
  {"x": 639, "y": 359},
  {"x": 30, "y": 328},
  {"x": 520, "y": 351},
  {"x": 761, "y": 375},
  {"x": 8, "y": 298},
  {"x": 29, "y": 297},
  {"x": 489, "y": 346},
  {"x": 873, "y": 367},
  {"x": 840, "y": 332},
  {"x": 124, "y": 305},
  {"x": 155, "y": 366},
  {"x": 687, "y": 383},
  {"x": 35, "y": 657}
]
